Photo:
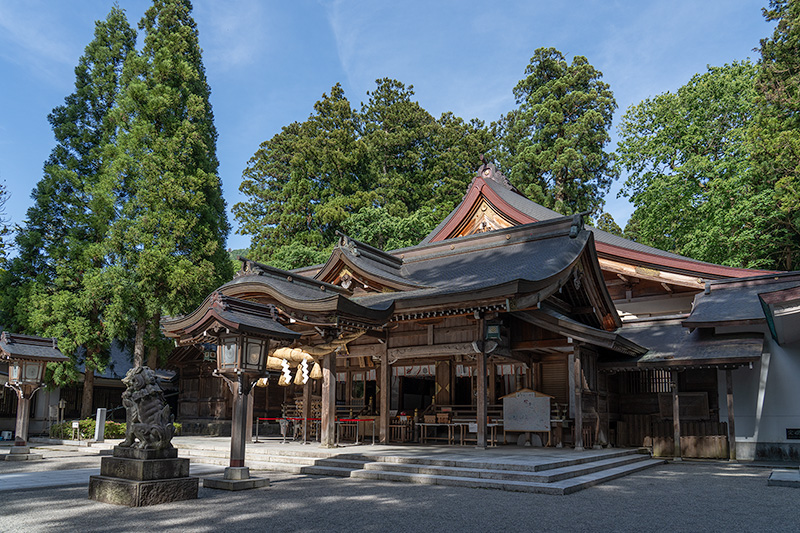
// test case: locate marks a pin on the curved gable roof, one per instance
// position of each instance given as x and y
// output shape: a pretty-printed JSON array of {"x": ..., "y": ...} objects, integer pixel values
[{"x": 523, "y": 211}]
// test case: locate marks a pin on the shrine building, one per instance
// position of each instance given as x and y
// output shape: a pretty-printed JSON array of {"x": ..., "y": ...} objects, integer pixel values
[{"x": 629, "y": 345}]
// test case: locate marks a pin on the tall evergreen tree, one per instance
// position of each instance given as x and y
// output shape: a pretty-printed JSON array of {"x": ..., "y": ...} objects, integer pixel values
[
  {"x": 168, "y": 242},
  {"x": 303, "y": 182},
  {"x": 4, "y": 229},
  {"x": 398, "y": 133},
  {"x": 776, "y": 133},
  {"x": 387, "y": 174},
  {"x": 60, "y": 241},
  {"x": 553, "y": 144}
]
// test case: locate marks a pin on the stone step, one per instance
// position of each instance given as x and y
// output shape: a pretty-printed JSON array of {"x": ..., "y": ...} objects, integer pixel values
[
  {"x": 467, "y": 470},
  {"x": 352, "y": 464},
  {"x": 199, "y": 454},
  {"x": 566, "y": 486},
  {"x": 511, "y": 465},
  {"x": 326, "y": 470}
]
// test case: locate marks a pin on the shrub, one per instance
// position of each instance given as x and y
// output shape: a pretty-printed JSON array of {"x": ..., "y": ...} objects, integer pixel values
[{"x": 114, "y": 430}]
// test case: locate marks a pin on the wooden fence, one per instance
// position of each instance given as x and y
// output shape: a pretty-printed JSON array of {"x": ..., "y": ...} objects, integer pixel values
[{"x": 699, "y": 439}]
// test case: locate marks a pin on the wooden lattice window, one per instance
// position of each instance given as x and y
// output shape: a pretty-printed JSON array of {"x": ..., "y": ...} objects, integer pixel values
[{"x": 645, "y": 381}]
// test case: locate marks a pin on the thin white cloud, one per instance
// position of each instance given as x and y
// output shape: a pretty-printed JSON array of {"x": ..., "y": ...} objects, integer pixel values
[
  {"x": 31, "y": 37},
  {"x": 233, "y": 34}
]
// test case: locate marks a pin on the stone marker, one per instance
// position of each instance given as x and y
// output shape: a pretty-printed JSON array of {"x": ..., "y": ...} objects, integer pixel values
[
  {"x": 100, "y": 425},
  {"x": 145, "y": 468}
]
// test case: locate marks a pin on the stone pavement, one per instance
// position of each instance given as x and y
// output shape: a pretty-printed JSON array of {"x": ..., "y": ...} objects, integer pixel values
[{"x": 687, "y": 496}]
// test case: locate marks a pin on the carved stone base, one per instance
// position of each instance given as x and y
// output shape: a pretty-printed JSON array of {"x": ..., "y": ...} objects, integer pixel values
[
  {"x": 219, "y": 482},
  {"x": 141, "y": 493},
  {"x": 21, "y": 453},
  {"x": 137, "y": 478},
  {"x": 235, "y": 478}
]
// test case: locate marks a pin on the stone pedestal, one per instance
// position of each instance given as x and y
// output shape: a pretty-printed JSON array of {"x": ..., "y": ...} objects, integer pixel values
[
  {"x": 235, "y": 478},
  {"x": 21, "y": 453},
  {"x": 136, "y": 478},
  {"x": 784, "y": 478}
]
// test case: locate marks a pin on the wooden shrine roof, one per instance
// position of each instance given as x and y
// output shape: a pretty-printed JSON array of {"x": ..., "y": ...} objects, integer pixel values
[
  {"x": 736, "y": 302},
  {"x": 672, "y": 346},
  {"x": 14, "y": 345},
  {"x": 491, "y": 185},
  {"x": 224, "y": 312}
]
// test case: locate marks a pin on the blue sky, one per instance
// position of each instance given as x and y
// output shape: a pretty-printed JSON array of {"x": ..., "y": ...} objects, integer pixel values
[{"x": 268, "y": 61}]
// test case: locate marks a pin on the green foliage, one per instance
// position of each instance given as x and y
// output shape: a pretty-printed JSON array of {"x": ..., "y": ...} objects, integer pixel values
[
  {"x": 775, "y": 135},
  {"x": 60, "y": 241},
  {"x": 553, "y": 143},
  {"x": 690, "y": 176},
  {"x": 4, "y": 229},
  {"x": 377, "y": 227},
  {"x": 607, "y": 223},
  {"x": 167, "y": 242},
  {"x": 113, "y": 430},
  {"x": 389, "y": 160}
]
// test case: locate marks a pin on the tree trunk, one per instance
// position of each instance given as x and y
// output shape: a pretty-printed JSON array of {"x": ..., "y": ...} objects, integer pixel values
[
  {"x": 138, "y": 346},
  {"x": 152, "y": 358},
  {"x": 88, "y": 390}
]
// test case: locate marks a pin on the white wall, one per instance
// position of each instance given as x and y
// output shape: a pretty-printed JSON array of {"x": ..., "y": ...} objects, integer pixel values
[{"x": 766, "y": 402}]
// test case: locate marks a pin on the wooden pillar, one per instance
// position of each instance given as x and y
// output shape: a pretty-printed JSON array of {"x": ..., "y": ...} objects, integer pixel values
[
  {"x": 328, "y": 426},
  {"x": 23, "y": 419},
  {"x": 731, "y": 427},
  {"x": 676, "y": 419},
  {"x": 481, "y": 400},
  {"x": 577, "y": 397},
  {"x": 239, "y": 424},
  {"x": 249, "y": 422},
  {"x": 385, "y": 391},
  {"x": 492, "y": 383},
  {"x": 443, "y": 388},
  {"x": 307, "y": 408}
]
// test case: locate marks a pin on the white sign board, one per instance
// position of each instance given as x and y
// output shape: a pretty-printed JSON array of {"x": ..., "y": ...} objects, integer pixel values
[{"x": 526, "y": 412}]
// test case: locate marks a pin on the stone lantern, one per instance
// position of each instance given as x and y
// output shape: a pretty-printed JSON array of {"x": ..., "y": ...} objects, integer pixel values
[
  {"x": 244, "y": 333},
  {"x": 27, "y": 358}
]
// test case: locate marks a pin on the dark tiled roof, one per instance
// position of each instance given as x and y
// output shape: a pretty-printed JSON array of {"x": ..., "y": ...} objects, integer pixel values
[
  {"x": 670, "y": 344},
  {"x": 371, "y": 261},
  {"x": 535, "y": 211},
  {"x": 737, "y": 300},
  {"x": 532, "y": 254},
  {"x": 234, "y": 313},
  {"x": 539, "y": 212},
  {"x": 302, "y": 293},
  {"x": 29, "y": 347}
]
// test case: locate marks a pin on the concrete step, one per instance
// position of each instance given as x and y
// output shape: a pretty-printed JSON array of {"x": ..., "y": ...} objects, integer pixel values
[
  {"x": 292, "y": 465},
  {"x": 467, "y": 470},
  {"x": 566, "y": 486},
  {"x": 199, "y": 454},
  {"x": 352, "y": 464},
  {"x": 511, "y": 465}
]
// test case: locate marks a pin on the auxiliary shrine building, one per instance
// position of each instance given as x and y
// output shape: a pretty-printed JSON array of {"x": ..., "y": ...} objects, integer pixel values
[{"x": 512, "y": 322}]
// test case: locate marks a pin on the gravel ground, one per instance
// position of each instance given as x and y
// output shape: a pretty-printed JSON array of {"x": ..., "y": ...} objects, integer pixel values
[{"x": 689, "y": 496}]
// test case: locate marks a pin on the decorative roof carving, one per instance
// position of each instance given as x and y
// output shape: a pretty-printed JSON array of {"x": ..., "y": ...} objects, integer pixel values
[{"x": 488, "y": 171}]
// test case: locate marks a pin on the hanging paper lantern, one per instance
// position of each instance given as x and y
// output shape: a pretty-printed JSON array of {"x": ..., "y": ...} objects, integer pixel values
[{"x": 316, "y": 372}]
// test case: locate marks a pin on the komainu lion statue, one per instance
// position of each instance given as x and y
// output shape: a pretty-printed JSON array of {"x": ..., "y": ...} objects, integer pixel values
[{"x": 148, "y": 416}]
